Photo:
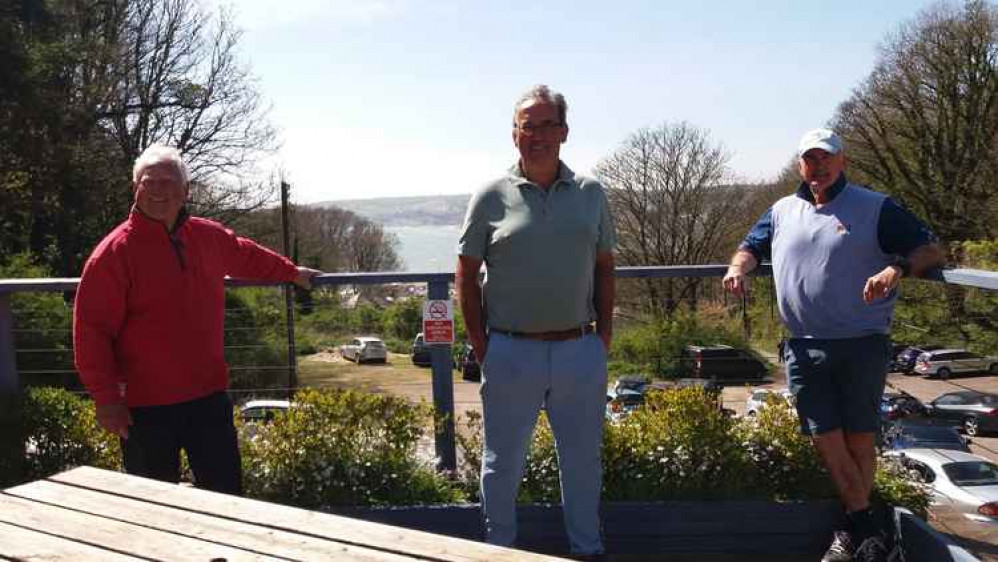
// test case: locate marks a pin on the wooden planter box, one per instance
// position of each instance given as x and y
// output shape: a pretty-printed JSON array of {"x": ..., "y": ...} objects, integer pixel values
[{"x": 680, "y": 530}]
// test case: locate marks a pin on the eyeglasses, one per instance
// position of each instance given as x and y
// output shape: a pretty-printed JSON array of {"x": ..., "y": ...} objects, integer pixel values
[{"x": 530, "y": 129}]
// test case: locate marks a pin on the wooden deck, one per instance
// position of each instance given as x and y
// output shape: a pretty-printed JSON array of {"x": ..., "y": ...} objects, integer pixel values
[{"x": 91, "y": 514}]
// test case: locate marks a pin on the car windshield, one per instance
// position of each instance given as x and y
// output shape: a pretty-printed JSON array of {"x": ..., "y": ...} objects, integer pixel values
[
  {"x": 929, "y": 444},
  {"x": 630, "y": 399},
  {"x": 722, "y": 353},
  {"x": 374, "y": 344},
  {"x": 929, "y": 433},
  {"x": 989, "y": 400},
  {"x": 636, "y": 386},
  {"x": 930, "y": 437},
  {"x": 973, "y": 473}
]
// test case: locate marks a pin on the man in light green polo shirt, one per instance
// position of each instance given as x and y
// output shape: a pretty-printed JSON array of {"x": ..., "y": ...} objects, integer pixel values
[{"x": 541, "y": 322}]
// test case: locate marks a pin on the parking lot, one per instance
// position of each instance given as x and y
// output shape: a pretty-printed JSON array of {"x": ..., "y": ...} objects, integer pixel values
[
  {"x": 920, "y": 387},
  {"x": 927, "y": 389},
  {"x": 398, "y": 376},
  {"x": 980, "y": 538}
]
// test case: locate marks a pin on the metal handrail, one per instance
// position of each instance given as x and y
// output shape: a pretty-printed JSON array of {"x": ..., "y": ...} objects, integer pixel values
[{"x": 438, "y": 287}]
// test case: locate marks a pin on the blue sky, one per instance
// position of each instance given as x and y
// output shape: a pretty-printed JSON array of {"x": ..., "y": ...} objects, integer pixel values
[{"x": 386, "y": 98}]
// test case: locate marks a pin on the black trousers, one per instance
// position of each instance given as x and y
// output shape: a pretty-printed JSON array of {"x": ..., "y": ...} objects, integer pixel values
[{"x": 202, "y": 427}]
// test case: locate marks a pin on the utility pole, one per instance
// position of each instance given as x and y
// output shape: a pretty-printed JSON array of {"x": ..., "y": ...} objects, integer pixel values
[{"x": 289, "y": 296}]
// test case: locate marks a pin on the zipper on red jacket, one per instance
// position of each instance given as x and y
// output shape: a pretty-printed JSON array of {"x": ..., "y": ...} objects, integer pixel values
[{"x": 175, "y": 242}]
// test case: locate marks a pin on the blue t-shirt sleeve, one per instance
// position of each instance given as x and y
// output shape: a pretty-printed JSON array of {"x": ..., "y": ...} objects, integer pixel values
[
  {"x": 759, "y": 240},
  {"x": 899, "y": 232}
]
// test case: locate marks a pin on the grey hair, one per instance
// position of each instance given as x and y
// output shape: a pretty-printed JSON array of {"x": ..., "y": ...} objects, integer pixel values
[
  {"x": 543, "y": 94},
  {"x": 159, "y": 154}
]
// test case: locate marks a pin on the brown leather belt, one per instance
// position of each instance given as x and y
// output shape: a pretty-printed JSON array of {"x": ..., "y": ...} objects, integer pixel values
[{"x": 556, "y": 335}]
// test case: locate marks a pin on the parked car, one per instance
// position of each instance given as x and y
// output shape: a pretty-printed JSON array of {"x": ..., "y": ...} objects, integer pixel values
[
  {"x": 897, "y": 405},
  {"x": 974, "y": 412},
  {"x": 629, "y": 392},
  {"x": 365, "y": 350},
  {"x": 721, "y": 362},
  {"x": 709, "y": 386},
  {"x": 965, "y": 482},
  {"x": 262, "y": 411},
  {"x": 622, "y": 404},
  {"x": 944, "y": 363},
  {"x": 905, "y": 361},
  {"x": 420, "y": 352},
  {"x": 761, "y": 397},
  {"x": 637, "y": 383},
  {"x": 909, "y": 434},
  {"x": 469, "y": 367},
  {"x": 896, "y": 349}
]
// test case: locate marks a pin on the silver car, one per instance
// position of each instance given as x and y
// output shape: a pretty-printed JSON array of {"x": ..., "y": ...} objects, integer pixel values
[
  {"x": 963, "y": 481},
  {"x": 943, "y": 363},
  {"x": 760, "y": 397},
  {"x": 365, "y": 350},
  {"x": 263, "y": 410}
]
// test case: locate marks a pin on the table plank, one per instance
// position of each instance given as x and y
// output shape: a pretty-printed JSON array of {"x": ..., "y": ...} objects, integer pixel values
[
  {"x": 115, "y": 535},
  {"x": 224, "y": 531},
  {"x": 18, "y": 543},
  {"x": 418, "y": 544}
]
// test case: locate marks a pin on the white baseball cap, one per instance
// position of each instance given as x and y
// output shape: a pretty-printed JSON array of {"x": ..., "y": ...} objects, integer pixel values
[{"x": 825, "y": 139}]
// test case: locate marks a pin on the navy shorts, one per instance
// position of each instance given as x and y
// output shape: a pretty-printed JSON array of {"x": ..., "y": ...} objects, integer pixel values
[{"x": 837, "y": 384}]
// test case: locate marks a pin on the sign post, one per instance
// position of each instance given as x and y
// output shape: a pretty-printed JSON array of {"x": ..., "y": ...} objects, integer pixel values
[{"x": 438, "y": 333}]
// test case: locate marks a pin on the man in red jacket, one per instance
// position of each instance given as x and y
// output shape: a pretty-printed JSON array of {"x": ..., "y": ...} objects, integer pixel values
[{"x": 148, "y": 328}]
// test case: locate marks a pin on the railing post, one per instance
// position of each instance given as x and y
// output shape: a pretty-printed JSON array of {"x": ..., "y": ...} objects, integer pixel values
[
  {"x": 443, "y": 389},
  {"x": 9, "y": 383},
  {"x": 746, "y": 323}
]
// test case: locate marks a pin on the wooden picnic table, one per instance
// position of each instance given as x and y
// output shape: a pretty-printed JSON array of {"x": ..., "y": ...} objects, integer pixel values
[{"x": 92, "y": 514}]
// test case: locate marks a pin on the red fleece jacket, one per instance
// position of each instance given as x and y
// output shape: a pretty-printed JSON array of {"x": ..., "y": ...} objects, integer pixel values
[{"x": 150, "y": 309}]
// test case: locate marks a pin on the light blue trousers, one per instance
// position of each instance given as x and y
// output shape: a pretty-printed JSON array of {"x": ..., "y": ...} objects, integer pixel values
[{"x": 569, "y": 379}]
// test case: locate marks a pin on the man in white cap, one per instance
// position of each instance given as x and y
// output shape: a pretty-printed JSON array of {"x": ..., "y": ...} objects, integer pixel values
[{"x": 838, "y": 252}]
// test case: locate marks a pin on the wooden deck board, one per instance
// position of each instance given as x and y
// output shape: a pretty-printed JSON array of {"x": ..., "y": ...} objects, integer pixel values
[
  {"x": 345, "y": 536},
  {"x": 18, "y": 543},
  {"x": 115, "y": 535},
  {"x": 186, "y": 523}
]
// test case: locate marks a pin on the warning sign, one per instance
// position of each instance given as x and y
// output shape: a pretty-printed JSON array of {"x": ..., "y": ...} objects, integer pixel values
[{"x": 438, "y": 322}]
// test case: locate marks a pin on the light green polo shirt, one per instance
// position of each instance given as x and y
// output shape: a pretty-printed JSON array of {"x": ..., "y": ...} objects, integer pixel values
[{"x": 539, "y": 248}]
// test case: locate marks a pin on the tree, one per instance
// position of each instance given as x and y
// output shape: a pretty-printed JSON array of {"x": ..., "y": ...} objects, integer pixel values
[
  {"x": 181, "y": 83},
  {"x": 923, "y": 126},
  {"x": 58, "y": 171},
  {"x": 668, "y": 190},
  {"x": 327, "y": 238},
  {"x": 85, "y": 85}
]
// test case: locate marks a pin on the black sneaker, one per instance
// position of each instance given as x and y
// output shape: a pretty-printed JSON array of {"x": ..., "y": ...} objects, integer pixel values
[
  {"x": 873, "y": 549},
  {"x": 842, "y": 548}
]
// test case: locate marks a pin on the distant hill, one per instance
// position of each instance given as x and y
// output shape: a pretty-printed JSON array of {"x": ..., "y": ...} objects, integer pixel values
[{"x": 407, "y": 211}]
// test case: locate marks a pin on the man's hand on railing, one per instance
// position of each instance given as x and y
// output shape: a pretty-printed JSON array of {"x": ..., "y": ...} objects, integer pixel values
[
  {"x": 115, "y": 418},
  {"x": 734, "y": 280},
  {"x": 305, "y": 276},
  {"x": 741, "y": 264}
]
